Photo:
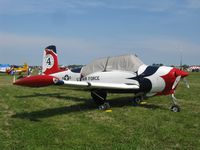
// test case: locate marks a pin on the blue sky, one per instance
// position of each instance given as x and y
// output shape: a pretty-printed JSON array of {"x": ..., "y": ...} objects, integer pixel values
[{"x": 158, "y": 31}]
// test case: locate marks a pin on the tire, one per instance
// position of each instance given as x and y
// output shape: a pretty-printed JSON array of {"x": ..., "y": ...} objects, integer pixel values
[
  {"x": 137, "y": 101},
  {"x": 105, "y": 106},
  {"x": 175, "y": 108}
]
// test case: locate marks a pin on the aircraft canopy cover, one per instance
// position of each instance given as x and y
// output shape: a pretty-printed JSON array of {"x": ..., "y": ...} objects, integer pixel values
[{"x": 125, "y": 63}]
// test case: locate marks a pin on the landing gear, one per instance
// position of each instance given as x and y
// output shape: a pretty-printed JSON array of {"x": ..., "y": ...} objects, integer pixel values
[
  {"x": 99, "y": 96},
  {"x": 175, "y": 107},
  {"x": 137, "y": 100},
  {"x": 105, "y": 106}
]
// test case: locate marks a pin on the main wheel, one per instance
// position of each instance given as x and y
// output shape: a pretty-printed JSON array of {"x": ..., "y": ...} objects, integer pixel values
[
  {"x": 137, "y": 100},
  {"x": 105, "y": 106},
  {"x": 175, "y": 108}
]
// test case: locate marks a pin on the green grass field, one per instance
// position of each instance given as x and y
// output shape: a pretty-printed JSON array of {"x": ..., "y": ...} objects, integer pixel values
[{"x": 55, "y": 118}]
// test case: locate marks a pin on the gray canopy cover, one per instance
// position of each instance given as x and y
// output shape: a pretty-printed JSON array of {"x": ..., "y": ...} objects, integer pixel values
[{"x": 125, "y": 63}]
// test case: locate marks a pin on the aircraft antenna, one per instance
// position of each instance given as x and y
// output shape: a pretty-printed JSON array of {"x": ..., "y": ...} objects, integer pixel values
[
  {"x": 181, "y": 60},
  {"x": 106, "y": 64}
]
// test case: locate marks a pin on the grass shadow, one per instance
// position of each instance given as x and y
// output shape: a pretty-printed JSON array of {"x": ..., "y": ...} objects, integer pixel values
[
  {"x": 128, "y": 101},
  {"x": 86, "y": 106},
  {"x": 52, "y": 95},
  {"x": 37, "y": 115}
]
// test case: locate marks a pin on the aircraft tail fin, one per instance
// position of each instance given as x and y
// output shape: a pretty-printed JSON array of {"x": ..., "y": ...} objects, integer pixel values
[{"x": 50, "y": 60}]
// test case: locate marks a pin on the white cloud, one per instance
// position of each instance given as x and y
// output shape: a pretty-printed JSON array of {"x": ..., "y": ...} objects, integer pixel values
[
  {"x": 142, "y": 5},
  {"x": 19, "y": 48},
  {"x": 46, "y": 6},
  {"x": 15, "y": 48},
  {"x": 194, "y": 4},
  {"x": 78, "y": 6},
  {"x": 11, "y": 40},
  {"x": 169, "y": 45},
  {"x": 164, "y": 50}
]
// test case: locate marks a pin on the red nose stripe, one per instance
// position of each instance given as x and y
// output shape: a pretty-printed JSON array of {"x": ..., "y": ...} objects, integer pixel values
[
  {"x": 181, "y": 73},
  {"x": 170, "y": 79}
]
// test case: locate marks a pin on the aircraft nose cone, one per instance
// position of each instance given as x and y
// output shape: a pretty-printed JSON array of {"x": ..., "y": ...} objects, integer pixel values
[{"x": 181, "y": 73}]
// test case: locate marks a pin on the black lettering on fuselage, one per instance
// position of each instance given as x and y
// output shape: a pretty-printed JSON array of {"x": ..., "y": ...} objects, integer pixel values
[
  {"x": 90, "y": 78},
  {"x": 93, "y": 78}
]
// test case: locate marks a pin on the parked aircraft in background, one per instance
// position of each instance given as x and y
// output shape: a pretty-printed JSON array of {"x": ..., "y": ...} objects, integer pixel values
[
  {"x": 194, "y": 68},
  {"x": 17, "y": 69},
  {"x": 121, "y": 74},
  {"x": 4, "y": 67}
]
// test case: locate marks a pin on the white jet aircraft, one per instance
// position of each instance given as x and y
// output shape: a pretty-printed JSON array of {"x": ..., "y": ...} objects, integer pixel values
[{"x": 120, "y": 74}]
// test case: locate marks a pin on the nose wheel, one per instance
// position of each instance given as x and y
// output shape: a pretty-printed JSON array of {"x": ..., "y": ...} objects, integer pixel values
[{"x": 175, "y": 107}]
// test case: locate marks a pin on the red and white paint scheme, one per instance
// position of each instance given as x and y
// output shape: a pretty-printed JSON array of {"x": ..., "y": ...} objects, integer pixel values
[
  {"x": 51, "y": 73},
  {"x": 147, "y": 81}
]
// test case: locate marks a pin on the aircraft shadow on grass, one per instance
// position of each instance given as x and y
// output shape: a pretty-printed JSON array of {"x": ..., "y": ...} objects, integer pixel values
[
  {"x": 52, "y": 95},
  {"x": 87, "y": 105}
]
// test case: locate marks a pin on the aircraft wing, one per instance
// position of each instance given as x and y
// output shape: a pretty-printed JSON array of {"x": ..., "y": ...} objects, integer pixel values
[{"x": 103, "y": 85}]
